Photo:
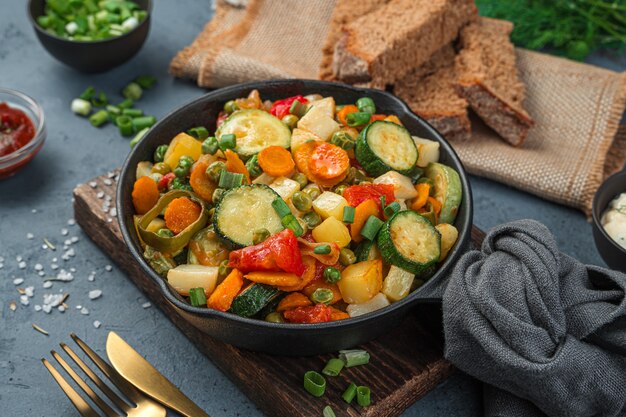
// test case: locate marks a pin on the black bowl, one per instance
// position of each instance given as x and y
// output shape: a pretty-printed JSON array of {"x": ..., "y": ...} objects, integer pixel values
[
  {"x": 96, "y": 56},
  {"x": 290, "y": 339},
  {"x": 612, "y": 253}
]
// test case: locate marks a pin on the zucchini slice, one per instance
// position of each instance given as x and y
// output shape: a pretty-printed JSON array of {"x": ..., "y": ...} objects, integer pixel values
[
  {"x": 446, "y": 190},
  {"x": 409, "y": 241},
  {"x": 255, "y": 131},
  {"x": 385, "y": 146},
  {"x": 243, "y": 210},
  {"x": 252, "y": 299}
]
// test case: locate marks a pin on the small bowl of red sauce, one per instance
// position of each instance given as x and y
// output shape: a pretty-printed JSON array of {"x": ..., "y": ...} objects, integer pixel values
[{"x": 22, "y": 131}]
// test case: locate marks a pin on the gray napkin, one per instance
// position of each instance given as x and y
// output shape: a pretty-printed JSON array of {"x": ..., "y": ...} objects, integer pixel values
[{"x": 545, "y": 333}]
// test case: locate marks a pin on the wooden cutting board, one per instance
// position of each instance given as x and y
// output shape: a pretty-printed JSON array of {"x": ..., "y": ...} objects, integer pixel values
[{"x": 405, "y": 364}]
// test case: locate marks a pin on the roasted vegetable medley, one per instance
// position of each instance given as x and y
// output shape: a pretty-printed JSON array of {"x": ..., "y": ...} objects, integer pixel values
[{"x": 298, "y": 210}]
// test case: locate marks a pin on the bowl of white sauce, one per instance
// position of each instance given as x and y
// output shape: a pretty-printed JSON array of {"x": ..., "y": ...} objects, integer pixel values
[{"x": 609, "y": 221}]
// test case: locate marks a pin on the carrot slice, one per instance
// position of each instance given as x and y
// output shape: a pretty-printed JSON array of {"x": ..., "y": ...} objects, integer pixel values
[
  {"x": 145, "y": 194},
  {"x": 307, "y": 277},
  {"x": 320, "y": 283},
  {"x": 341, "y": 114},
  {"x": 180, "y": 213},
  {"x": 436, "y": 207},
  {"x": 362, "y": 212},
  {"x": 302, "y": 155},
  {"x": 423, "y": 191},
  {"x": 235, "y": 164},
  {"x": 225, "y": 293},
  {"x": 276, "y": 161},
  {"x": 336, "y": 314},
  {"x": 293, "y": 300},
  {"x": 328, "y": 161},
  {"x": 200, "y": 181},
  {"x": 284, "y": 279}
]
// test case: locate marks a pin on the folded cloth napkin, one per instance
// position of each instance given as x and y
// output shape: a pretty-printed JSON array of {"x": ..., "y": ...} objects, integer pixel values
[{"x": 545, "y": 333}]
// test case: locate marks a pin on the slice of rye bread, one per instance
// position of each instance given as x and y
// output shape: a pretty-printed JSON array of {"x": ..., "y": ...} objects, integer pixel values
[
  {"x": 430, "y": 92},
  {"x": 345, "y": 12},
  {"x": 384, "y": 45},
  {"x": 489, "y": 80}
]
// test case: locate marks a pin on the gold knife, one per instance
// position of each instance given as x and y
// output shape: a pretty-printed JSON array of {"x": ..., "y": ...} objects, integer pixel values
[{"x": 139, "y": 372}]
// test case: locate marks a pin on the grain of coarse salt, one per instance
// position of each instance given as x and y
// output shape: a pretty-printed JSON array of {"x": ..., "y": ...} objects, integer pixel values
[
  {"x": 84, "y": 311},
  {"x": 110, "y": 174},
  {"x": 93, "y": 294},
  {"x": 93, "y": 184},
  {"x": 47, "y": 284},
  {"x": 97, "y": 324},
  {"x": 146, "y": 304},
  {"x": 30, "y": 236},
  {"x": 109, "y": 220},
  {"x": 24, "y": 300},
  {"x": 1, "y": 265},
  {"x": 54, "y": 267},
  {"x": 113, "y": 212},
  {"x": 64, "y": 275},
  {"x": 22, "y": 265},
  {"x": 107, "y": 182},
  {"x": 53, "y": 300},
  {"x": 37, "y": 307},
  {"x": 71, "y": 222},
  {"x": 19, "y": 258},
  {"x": 38, "y": 267},
  {"x": 29, "y": 291},
  {"x": 33, "y": 211},
  {"x": 100, "y": 194},
  {"x": 61, "y": 308},
  {"x": 41, "y": 273},
  {"x": 18, "y": 281},
  {"x": 64, "y": 231},
  {"x": 108, "y": 268},
  {"x": 47, "y": 308},
  {"x": 74, "y": 239}
]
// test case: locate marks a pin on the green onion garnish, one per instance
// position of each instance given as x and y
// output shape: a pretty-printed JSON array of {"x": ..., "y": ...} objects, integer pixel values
[
  {"x": 197, "y": 297},
  {"x": 333, "y": 366},
  {"x": 126, "y": 104},
  {"x": 290, "y": 222},
  {"x": 138, "y": 137},
  {"x": 371, "y": 227},
  {"x": 146, "y": 81},
  {"x": 392, "y": 209},
  {"x": 328, "y": 412},
  {"x": 322, "y": 296},
  {"x": 88, "y": 93},
  {"x": 358, "y": 118},
  {"x": 349, "y": 394},
  {"x": 297, "y": 108},
  {"x": 99, "y": 118},
  {"x": 125, "y": 125},
  {"x": 230, "y": 180},
  {"x": 281, "y": 207},
  {"x": 253, "y": 167},
  {"x": 132, "y": 91},
  {"x": 143, "y": 122},
  {"x": 348, "y": 214},
  {"x": 100, "y": 100},
  {"x": 314, "y": 383},
  {"x": 228, "y": 141},
  {"x": 363, "y": 396},
  {"x": 210, "y": 145},
  {"x": 112, "y": 109},
  {"x": 354, "y": 357},
  {"x": 322, "y": 250},
  {"x": 332, "y": 275},
  {"x": 132, "y": 112},
  {"x": 80, "y": 106},
  {"x": 199, "y": 132}
]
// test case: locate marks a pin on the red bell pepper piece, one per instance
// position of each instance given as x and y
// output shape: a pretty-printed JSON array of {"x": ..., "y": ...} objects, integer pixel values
[
  {"x": 310, "y": 314},
  {"x": 221, "y": 117},
  {"x": 280, "y": 108},
  {"x": 357, "y": 194},
  {"x": 279, "y": 252},
  {"x": 165, "y": 180}
]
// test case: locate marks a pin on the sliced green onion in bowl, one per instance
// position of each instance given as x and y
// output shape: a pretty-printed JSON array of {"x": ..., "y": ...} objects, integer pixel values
[{"x": 197, "y": 297}]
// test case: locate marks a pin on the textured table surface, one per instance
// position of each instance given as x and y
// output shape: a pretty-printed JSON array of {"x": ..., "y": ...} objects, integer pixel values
[{"x": 38, "y": 201}]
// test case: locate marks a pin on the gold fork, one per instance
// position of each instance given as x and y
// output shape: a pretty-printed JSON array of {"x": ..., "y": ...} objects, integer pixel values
[{"x": 143, "y": 406}]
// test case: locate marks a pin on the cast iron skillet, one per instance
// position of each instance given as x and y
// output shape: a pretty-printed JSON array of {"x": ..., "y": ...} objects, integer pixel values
[{"x": 290, "y": 339}]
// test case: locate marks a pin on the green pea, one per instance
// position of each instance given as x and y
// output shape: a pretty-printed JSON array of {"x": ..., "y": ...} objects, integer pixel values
[
  {"x": 291, "y": 120},
  {"x": 343, "y": 140},
  {"x": 366, "y": 105},
  {"x": 218, "y": 194},
  {"x": 340, "y": 189},
  {"x": 214, "y": 171},
  {"x": 210, "y": 145},
  {"x": 184, "y": 166},
  {"x": 223, "y": 269},
  {"x": 159, "y": 153},
  {"x": 259, "y": 235},
  {"x": 312, "y": 219},
  {"x": 253, "y": 166},
  {"x": 313, "y": 192},
  {"x": 358, "y": 118},
  {"x": 301, "y": 179},
  {"x": 331, "y": 275},
  {"x": 346, "y": 257},
  {"x": 322, "y": 296},
  {"x": 227, "y": 141},
  {"x": 302, "y": 201},
  {"x": 161, "y": 168},
  {"x": 275, "y": 317},
  {"x": 231, "y": 107},
  {"x": 165, "y": 233}
]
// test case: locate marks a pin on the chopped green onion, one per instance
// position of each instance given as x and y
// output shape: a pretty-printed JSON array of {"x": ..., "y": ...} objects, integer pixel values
[
  {"x": 145, "y": 81},
  {"x": 126, "y": 104},
  {"x": 80, "y": 106},
  {"x": 366, "y": 105},
  {"x": 363, "y": 396},
  {"x": 322, "y": 250},
  {"x": 138, "y": 137},
  {"x": 143, "y": 122},
  {"x": 392, "y": 209},
  {"x": 132, "y": 112},
  {"x": 253, "y": 167},
  {"x": 333, "y": 366},
  {"x": 349, "y": 394},
  {"x": 159, "y": 153},
  {"x": 290, "y": 222},
  {"x": 371, "y": 227},
  {"x": 112, "y": 109},
  {"x": 322, "y": 296},
  {"x": 230, "y": 180},
  {"x": 210, "y": 145},
  {"x": 125, "y": 125},
  {"x": 132, "y": 91},
  {"x": 259, "y": 235},
  {"x": 214, "y": 171},
  {"x": 358, "y": 118},
  {"x": 199, "y": 132},
  {"x": 354, "y": 357},
  {"x": 343, "y": 140},
  {"x": 99, "y": 118},
  {"x": 99, "y": 100},
  {"x": 348, "y": 214},
  {"x": 328, "y": 412},
  {"x": 314, "y": 383},
  {"x": 88, "y": 93},
  {"x": 297, "y": 108},
  {"x": 281, "y": 207},
  {"x": 332, "y": 275},
  {"x": 197, "y": 297},
  {"x": 228, "y": 141}
]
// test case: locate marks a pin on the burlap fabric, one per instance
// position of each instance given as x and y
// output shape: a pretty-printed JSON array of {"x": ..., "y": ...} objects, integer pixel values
[{"x": 577, "y": 108}]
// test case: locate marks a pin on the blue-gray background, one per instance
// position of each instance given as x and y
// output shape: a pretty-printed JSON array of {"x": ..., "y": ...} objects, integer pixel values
[{"x": 75, "y": 152}]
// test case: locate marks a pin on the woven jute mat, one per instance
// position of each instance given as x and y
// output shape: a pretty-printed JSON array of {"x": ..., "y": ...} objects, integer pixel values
[{"x": 573, "y": 146}]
